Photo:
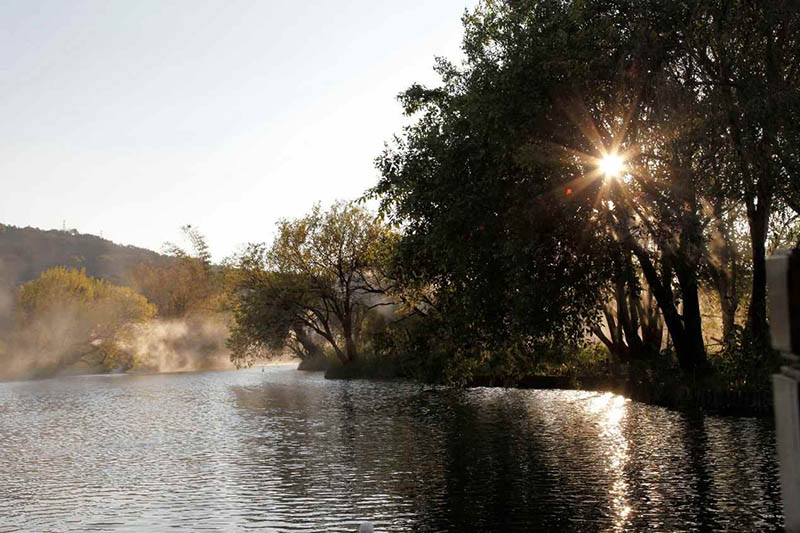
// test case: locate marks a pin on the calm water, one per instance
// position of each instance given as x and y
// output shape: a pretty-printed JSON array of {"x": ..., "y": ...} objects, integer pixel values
[{"x": 289, "y": 451}]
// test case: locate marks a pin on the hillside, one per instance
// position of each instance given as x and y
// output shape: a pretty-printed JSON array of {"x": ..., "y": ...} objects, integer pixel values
[{"x": 26, "y": 252}]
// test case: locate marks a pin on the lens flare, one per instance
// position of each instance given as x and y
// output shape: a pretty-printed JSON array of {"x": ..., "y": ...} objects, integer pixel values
[{"x": 611, "y": 165}]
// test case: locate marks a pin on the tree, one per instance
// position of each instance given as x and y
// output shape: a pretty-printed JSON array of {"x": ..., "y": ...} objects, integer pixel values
[
  {"x": 265, "y": 313},
  {"x": 185, "y": 283},
  {"x": 698, "y": 99},
  {"x": 726, "y": 266},
  {"x": 501, "y": 230},
  {"x": 744, "y": 55},
  {"x": 65, "y": 316},
  {"x": 633, "y": 322},
  {"x": 498, "y": 186},
  {"x": 319, "y": 278}
]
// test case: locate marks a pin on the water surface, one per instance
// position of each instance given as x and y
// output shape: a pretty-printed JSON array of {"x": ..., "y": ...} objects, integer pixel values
[{"x": 283, "y": 450}]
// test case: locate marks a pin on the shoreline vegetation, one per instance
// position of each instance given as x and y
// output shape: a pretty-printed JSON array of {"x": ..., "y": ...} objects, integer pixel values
[
  {"x": 710, "y": 397},
  {"x": 586, "y": 200}
]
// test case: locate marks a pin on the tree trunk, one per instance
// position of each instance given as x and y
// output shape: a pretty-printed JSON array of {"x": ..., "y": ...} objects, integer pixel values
[
  {"x": 724, "y": 273},
  {"x": 615, "y": 344},
  {"x": 638, "y": 332},
  {"x": 351, "y": 353},
  {"x": 628, "y": 319},
  {"x": 685, "y": 330},
  {"x": 686, "y": 335},
  {"x": 350, "y": 347},
  {"x": 758, "y": 218},
  {"x": 311, "y": 348},
  {"x": 662, "y": 295},
  {"x": 728, "y": 319},
  {"x": 687, "y": 265},
  {"x": 694, "y": 356},
  {"x": 651, "y": 323}
]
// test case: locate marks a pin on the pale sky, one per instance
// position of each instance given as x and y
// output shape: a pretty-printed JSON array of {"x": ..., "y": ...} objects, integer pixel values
[{"x": 132, "y": 118}]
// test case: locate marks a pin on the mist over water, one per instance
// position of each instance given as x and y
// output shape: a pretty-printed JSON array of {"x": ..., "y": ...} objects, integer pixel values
[
  {"x": 181, "y": 345},
  {"x": 6, "y": 303},
  {"x": 73, "y": 325},
  {"x": 7, "y": 282},
  {"x": 176, "y": 345},
  {"x": 282, "y": 450}
]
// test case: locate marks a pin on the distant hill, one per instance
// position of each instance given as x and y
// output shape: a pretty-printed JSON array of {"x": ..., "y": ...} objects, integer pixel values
[{"x": 26, "y": 252}]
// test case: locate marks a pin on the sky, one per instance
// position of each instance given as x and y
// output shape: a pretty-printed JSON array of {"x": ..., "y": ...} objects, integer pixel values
[{"x": 129, "y": 119}]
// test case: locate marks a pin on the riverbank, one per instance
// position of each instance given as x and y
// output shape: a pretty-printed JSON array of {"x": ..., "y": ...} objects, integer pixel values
[
  {"x": 707, "y": 395},
  {"x": 710, "y": 399}
]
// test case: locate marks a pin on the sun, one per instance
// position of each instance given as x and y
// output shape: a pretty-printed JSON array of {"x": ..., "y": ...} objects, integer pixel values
[{"x": 612, "y": 165}]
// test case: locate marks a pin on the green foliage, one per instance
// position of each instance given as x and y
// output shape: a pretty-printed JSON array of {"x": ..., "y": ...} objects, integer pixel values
[
  {"x": 744, "y": 363},
  {"x": 264, "y": 313},
  {"x": 512, "y": 264},
  {"x": 315, "y": 284},
  {"x": 511, "y": 234}
]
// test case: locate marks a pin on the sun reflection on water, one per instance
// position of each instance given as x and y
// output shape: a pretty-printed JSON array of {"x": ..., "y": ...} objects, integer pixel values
[{"x": 610, "y": 410}]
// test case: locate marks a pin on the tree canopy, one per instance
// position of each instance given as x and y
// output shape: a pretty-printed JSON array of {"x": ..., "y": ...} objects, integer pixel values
[
  {"x": 315, "y": 281},
  {"x": 510, "y": 219},
  {"x": 186, "y": 283},
  {"x": 65, "y": 316}
]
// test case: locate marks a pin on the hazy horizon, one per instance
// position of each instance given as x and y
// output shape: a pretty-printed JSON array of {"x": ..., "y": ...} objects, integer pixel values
[{"x": 128, "y": 120}]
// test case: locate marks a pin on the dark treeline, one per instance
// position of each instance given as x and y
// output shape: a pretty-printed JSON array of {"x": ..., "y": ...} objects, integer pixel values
[
  {"x": 597, "y": 183},
  {"x": 510, "y": 214}
]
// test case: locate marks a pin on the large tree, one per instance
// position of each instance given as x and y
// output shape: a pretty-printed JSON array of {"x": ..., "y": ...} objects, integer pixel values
[
  {"x": 499, "y": 182},
  {"x": 267, "y": 313},
  {"x": 745, "y": 58},
  {"x": 495, "y": 228}
]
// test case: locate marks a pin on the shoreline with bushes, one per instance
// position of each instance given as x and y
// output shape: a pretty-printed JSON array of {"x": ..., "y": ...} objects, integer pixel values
[{"x": 708, "y": 395}]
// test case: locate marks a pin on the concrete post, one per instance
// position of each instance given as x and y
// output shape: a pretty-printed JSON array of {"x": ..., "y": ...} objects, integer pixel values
[
  {"x": 783, "y": 278},
  {"x": 787, "y": 434}
]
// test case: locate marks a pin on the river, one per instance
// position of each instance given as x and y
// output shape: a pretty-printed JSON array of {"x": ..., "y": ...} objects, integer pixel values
[{"x": 282, "y": 450}]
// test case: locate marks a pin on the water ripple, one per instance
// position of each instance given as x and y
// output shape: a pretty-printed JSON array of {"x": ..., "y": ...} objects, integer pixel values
[{"x": 289, "y": 451}]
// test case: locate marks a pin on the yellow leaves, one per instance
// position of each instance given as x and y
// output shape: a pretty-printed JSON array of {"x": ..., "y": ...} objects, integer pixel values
[
  {"x": 54, "y": 286},
  {"x": 321, "y": 276},
  {"x": 330, "y": 243},
  {"x": 179, "y": 287},
  {"x": 66, "y": 312},
  {"x": 60, "y": 286}
]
